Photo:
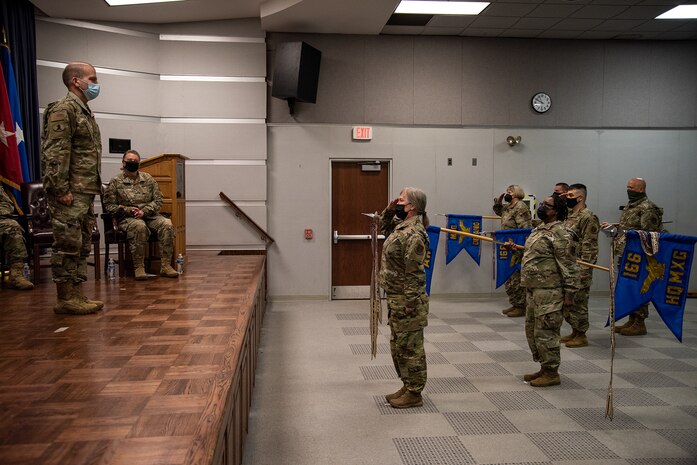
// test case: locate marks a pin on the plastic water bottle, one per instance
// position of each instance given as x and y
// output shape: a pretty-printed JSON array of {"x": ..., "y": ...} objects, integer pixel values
[
  {"x": 25, "y": 272},
  {"x": 180, "y": 264},
  {"x": 111, "y": 270}
]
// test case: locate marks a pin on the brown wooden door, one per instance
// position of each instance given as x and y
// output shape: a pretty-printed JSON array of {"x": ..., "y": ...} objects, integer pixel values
[{"x": 357, "y": 188}]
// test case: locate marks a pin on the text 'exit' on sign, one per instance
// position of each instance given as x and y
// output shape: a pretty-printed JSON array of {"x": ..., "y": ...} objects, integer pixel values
[{"x": 362, "y": 133}]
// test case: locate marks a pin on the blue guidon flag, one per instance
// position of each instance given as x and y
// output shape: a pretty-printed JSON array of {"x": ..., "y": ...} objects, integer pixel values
[
  {"x": 465, "y": 223},
  {"x": 662, "y": 279},
  {"x": 433, "y": 235},
  {"x": 507, "y": 262}
]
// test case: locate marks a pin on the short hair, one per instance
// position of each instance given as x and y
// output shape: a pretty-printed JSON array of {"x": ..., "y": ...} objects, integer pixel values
[
  {"x": 563, "y": 185},
  {"x": 642, "y": 183},
  {"x": 417, "y": 198},
  {"x": 517, "y": 191},
  {"x": 74, "y": 69},
  {"x": 580, "y": 187},
  {"x": 134, "y": 152}
]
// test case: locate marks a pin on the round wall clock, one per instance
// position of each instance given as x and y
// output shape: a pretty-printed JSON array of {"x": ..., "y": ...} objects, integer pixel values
[{"x": 541, "y": 102}]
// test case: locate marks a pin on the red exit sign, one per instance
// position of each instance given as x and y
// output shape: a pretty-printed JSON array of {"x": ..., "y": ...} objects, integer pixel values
[{"x": 362, "y": 133}]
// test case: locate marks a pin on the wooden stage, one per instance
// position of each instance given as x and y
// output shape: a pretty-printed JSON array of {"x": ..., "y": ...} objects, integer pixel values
[{"x": 163, "y": 375}]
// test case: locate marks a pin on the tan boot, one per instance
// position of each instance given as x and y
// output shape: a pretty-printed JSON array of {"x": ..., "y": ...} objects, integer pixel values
[
  {"x": 67, "y": 303},
  {"x": 638, "y": 328},
  {"x": 17, "y": 280},
  {"x": 139, "y": 273},
  {"x": 407, "y": 400},
  {"x": 531, "y": 376},
  {"x": 548, "y": 378},
  {"x": 167, "y": 271},
  {"x": 506, "y": 310},
  {"x": 516, "y": 312},
  {"x": 396, "y": 395},
  {"x": 580, "y": 340},
  {"x": 568, "y": 337},
  {"x": 77, "y": 293},
  {"x": 627, "y": 324}
]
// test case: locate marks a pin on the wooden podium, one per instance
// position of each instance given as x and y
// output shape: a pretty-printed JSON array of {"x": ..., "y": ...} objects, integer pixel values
[{"x": 168, "y": 170}]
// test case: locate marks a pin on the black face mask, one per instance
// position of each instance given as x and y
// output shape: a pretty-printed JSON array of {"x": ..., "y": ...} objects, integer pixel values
[
  {"x": 555, "y": 194},
  {"x": 131, "y": 166},
  {"x": 508, "y": 198},
  {"x": 634, "y": 195},
  {"x": 542, "y": 212},
  {"x": 399, "y": 212},
  {"x": 571, "y": 203}
]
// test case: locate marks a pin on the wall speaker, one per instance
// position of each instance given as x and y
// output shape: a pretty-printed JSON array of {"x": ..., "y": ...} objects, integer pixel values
[{"x": 296, "y": 73}]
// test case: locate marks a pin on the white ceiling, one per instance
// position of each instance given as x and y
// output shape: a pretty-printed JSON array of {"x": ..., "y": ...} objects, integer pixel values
[{"x": 551, "y": 19}]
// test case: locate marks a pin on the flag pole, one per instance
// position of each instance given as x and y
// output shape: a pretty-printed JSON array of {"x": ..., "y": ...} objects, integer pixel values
[{"x": 515, "y": 246}]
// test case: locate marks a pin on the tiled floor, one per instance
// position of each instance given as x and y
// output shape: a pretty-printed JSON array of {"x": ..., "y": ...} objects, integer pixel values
[{"x": 319, "y": 396}]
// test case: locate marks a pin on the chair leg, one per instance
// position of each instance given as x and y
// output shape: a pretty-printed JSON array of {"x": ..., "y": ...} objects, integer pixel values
[
  {"x": 97, "y": 262},
  {"x": 122, "y": 260},
  {"x": 37, "y": 264},
  {"x": 106, "y": 257}
]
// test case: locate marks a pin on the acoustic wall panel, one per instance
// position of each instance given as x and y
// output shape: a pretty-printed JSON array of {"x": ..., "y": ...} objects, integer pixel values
[
  {"x": 213, "y": 58},
  {"x": 438, "y": 81},
  {"x": 181, "y": 99},
  {"x": 673, "y": 94},
  {"x": 216, "y": 226},
  {"x": 214, "y": 141},
  {"x": 206, "y": 179},
  {"x": 141, "y": 131},
  {"x": 389, "y": 80},
  {"x": 627, "y": 85}
]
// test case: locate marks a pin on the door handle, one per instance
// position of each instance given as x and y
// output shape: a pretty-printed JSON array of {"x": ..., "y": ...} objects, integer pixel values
[{"x": 352, "y": 237}]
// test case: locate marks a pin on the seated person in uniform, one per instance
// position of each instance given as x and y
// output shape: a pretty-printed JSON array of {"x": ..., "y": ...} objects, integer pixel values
[
  {"x": 134, "y": 199},
  {"x": 12, "y": 239}
]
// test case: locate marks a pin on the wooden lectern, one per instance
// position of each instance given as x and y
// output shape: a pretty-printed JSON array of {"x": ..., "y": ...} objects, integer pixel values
[{"x": 168, "y": 171}]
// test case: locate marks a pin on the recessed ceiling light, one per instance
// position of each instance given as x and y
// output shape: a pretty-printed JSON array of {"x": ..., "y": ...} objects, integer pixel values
[
  {"x": 440, "y": 8},
  {"x": 137, "y": 2},
  {"x": 680, "y": 12}
]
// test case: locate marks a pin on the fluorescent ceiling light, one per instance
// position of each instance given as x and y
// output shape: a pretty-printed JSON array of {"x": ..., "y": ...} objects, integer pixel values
[
  {"x": 440, "y": 8},
  {"x": 137, "y": 2},
  {"x": 680, "y": 12}
]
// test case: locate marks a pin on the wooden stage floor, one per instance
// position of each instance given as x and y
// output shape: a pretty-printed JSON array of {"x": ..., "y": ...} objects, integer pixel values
[{"x": 163, "y": 375}]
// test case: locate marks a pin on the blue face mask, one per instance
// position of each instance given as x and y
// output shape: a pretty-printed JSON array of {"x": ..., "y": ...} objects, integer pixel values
[{"x": 92, "y": 91}]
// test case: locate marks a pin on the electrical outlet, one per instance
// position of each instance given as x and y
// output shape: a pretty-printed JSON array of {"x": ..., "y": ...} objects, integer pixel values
[
  {"x": 474, "y": 162},
  {"x": 450, "y": 162}
]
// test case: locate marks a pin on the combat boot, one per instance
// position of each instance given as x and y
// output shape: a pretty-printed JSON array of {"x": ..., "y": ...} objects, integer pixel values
[
  {"x": 568, "y": 337},
  {"x": 396, "y": 395},
  {"x": 548, "y": 378},
  {"x": 167, "y": 271},
  {"x": 68, "y": 303},
  {"x": 506, "y": 310},
  {"x": 638, "y": 328},
  {"x": 77, "y": 293},
  {"x": 627, "y": 324},
  {"x": 407, "y": 400},
  {"x": 531, "y": 376},
  {"x": 580, "y": 340},
  {"x": 139, "y": 273},
  {"x": 516, "y": 312},
  {"x": 17, "y": 280}
]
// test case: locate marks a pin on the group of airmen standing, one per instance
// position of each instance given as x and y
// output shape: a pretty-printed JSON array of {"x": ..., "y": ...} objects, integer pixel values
[{"x": 551, "y": 287}]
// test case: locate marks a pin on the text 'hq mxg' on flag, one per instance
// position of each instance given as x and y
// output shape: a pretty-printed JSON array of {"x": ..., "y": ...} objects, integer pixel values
[
  {"x": 465, "y": 223},
  {"x": 433, "y": 236},
  {"x": 13, "y": 97},
  {"x": 662, "y": 278},
  {"x": 507, "y": 261}
]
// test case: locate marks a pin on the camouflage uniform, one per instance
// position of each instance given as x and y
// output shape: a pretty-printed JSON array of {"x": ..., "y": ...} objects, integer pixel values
[
  {"x": 11, "y": 233},
  {"x": 549, "y": 270},
  {"x": 585, "y": 226},
  {"x": 403, "y": 277},
  {"x": 514, "y": 216},
  {"x": 143, "y": 192},
  {"x": 641, "y": 215},
  {"x": 71, "y": 162}
]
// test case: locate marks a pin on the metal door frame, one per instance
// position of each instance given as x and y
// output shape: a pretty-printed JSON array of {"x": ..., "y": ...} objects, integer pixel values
[{"x": 390, "y": 161}]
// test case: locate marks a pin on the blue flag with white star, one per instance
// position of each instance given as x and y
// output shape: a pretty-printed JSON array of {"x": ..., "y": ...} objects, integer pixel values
[
  {"x": 507, "y": 261},
  {"x": 13, "y": 96},
  {"x": 662, "y": 278},
  {"x": 466, "y": 223}
]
